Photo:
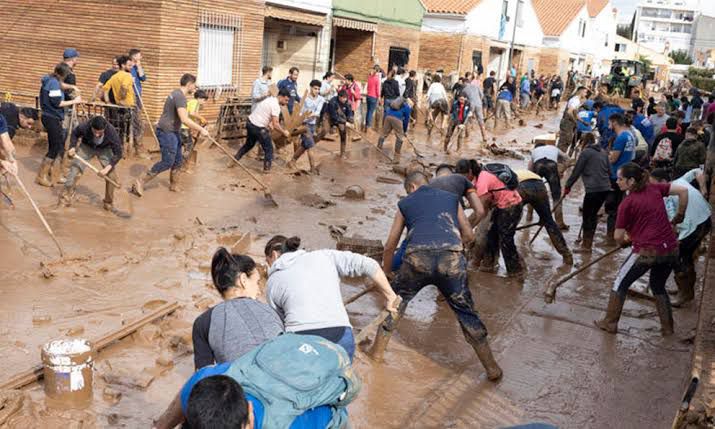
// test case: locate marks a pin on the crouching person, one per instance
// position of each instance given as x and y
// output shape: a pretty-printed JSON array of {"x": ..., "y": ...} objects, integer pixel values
[
  {"x": 241, "y": 322},
  {"x": 435, "y": 220},
  {"x": 397, "y": 119},
  {"x": 99, "y": 139},
  {"x": 273, "y": 386}
]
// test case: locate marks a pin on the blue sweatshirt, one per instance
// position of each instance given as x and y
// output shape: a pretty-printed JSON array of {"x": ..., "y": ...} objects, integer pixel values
[
  {"x": 602, "y": 122},
  {"x": 292, "y": 87},
  {"x": 403, "y": 114},
  {"x": 51, "y": 96}
]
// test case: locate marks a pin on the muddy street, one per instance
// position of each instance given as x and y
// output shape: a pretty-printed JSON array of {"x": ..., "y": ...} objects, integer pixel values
[{"x": 558, "y": 367}]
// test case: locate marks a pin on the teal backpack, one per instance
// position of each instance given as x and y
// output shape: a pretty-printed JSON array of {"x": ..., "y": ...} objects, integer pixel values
[{"x": 294, "y": 373}]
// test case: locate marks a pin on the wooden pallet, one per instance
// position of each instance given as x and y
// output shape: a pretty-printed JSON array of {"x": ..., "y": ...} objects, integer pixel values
[
  {"x": 363, "y": 246},
  {"x": 232, "y": 118}
]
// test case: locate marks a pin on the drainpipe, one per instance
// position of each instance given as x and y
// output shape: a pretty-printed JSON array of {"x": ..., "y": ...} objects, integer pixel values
[
  {"x": 461, "y": 53},
  {"x": 513, "y": 35}
]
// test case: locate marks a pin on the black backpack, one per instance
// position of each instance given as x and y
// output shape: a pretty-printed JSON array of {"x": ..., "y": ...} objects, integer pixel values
[{"x": 503, "y": 173}]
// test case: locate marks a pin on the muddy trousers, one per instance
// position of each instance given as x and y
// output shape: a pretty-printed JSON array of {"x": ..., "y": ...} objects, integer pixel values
[
  {"x": 453, "y": 124},
  {"x": 255, "y": 135},
  {"x": 77, "y": 169},
  {"x": 392, "y": 125},
  {"x": 613, "y": 200},
  {"x": 592, "y": 203},
  {"x": 567, "y": 132},
  {"x": 533, "y": 192},
  {"x": 549, "y": 170},
  {"x": 686, "y": 251},
  {"x": 501, "y": 237},
  {"x": 448, "y": 271}
]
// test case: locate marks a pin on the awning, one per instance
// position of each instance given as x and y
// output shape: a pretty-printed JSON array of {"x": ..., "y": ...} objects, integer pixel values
[
  {"x": 354, "y": 24},
  {"x": 295, "y": 15}
]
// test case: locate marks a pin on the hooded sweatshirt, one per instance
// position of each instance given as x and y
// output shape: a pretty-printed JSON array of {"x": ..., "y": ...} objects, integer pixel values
[
  {"x": 593, "y": 165},
  {"x": 304, "y": 287},
  {"x": 51, "y": 96}
]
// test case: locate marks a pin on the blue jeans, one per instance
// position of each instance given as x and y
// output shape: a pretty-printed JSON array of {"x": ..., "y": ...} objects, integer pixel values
[
  {"x": 170, "y": 145},
  {"x": 447, "y": 270},
  {"x": 371, "y": 107},
  {"x": 307, "y": 139}
]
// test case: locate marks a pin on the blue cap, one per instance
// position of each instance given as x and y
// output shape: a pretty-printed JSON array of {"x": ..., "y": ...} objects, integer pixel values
[{"x": 70, "y": 53}]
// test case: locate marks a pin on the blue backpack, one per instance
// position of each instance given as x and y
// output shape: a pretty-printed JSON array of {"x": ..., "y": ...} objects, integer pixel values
[{"x": 294, "y": 373}]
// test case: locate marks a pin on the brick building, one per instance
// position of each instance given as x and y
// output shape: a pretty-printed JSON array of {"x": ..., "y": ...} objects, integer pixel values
[
  {"x": 478, "y": 35},
  {"x": 297, "y": 33},
  {"x": 219, "y": 41},
  {"x": 367, "y": 33}
]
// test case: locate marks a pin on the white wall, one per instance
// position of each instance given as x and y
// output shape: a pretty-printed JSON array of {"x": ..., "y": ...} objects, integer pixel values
[
  {"x": 320, "y": 6},
  {"x": 570, "y": 39},
  {"x": 444, "y": 23},
  {"x": 484, "y": 20},
  {"x": 602, "y": 28}
]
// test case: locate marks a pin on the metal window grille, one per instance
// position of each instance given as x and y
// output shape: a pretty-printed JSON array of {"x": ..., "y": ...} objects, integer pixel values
[{"x": 220, "y": 42}]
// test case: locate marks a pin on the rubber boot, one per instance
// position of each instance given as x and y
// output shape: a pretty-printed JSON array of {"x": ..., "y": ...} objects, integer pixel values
[
  {"x": 66, "y": 196},
  {"x": 267, "y": 166},
  {"x": 174, "y": 176},
  {"x": 613, "y": 313},
  {"x": 383, "y": 335},
  {"x": 380, "y": 142},
  {"x": 109, "y": 192},
  {"x": 43, "y": 174},
  {"x": 665, "y": 314},
  {"x": 343, "y": 147},
  {"x": 398, "y": 150},
  {"x": 138, "y": 187},
  {"x": 484, "y": 353},
  {"x": 610, "y": 231},
  {"x": 64, "y": 167},
  {"x": 586, "y": 242},
  {"x": 489, "y": 264},
  {"x": 686, "y": 288},
  {"x": 559, "y": 218}
]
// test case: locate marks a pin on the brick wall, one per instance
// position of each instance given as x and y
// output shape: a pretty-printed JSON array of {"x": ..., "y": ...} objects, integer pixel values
[
  {"x": 399, "y": 37},
  {"x": 353, "y": 50},
  {"x": 166, "y": 32},
  {"x": 552, "y": 61},
  {"x": 439, "y": 51},
  {"x": 471, "y": 44}
]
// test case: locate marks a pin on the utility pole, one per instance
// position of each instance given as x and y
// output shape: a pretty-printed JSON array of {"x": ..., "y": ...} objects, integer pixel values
[{"x": 513, "y": 36}]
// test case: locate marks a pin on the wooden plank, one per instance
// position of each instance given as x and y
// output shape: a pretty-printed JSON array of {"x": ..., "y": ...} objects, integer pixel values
[{"x": 36, "y": 373}]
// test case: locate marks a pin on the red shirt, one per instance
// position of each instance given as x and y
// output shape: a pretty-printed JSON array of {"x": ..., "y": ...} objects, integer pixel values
[
  {"x": 373, "y": 86},
  {"x": 642, "y": 214}
]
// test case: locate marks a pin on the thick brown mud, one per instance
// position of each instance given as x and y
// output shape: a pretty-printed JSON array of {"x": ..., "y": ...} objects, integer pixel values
[{"x": 558, "y": 367}]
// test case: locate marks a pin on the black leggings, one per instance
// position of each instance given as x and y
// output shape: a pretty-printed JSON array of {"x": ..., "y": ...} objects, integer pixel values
[
  {"x": 592, "y": 203},
  {"x": 549, "y": 170},
  {"x": 55, "y": 137},
  {"x": 636, "y": 265}
]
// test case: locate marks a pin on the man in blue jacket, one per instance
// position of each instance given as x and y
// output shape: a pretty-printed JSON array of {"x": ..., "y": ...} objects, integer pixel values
[
  {"x": 605, "y": 111},
  {"x": 397, "y": 119},
  {"x": 290, "y": 83}
]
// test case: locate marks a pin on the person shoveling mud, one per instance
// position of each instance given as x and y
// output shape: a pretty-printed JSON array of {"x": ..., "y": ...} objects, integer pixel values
[
  {"x": 99, "y": 139},
  {"x": 437, "y": 229}
]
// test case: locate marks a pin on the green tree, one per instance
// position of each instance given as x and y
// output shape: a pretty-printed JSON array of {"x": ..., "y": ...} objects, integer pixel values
[{"x": 681, "y": 57}]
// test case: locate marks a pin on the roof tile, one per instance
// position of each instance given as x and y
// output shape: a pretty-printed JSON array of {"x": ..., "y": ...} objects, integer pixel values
[
  {"x": 595, "y": 7},
  {"x": 458, "y": 7},
  {"x": 555, "y": 15}
]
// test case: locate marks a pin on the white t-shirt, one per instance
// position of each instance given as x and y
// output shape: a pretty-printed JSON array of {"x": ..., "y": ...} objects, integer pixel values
[
  {"x": 264, "y": 111},
  {"x": 436, "y": 92},
  {"x": 574, "y": 103},
  {"x": 546, "y": 151}
]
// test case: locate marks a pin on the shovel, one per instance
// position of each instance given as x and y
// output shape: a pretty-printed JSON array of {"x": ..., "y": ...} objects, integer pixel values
[
  {"x": 382, "y": 152},
  {"x": 266, "y": 190},
  {"x": 39, "y": 214},
  {"x": 550, "y": 293},
  {"x": 108, "y": 179}
]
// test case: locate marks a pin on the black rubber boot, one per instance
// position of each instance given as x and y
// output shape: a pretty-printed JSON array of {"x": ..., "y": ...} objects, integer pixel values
[
  {"x": 665, "y": 314},
  {"x": 613, "y": 313},
  {"x": 686, "y": 288},
  {"x": 484, "y": 353}
]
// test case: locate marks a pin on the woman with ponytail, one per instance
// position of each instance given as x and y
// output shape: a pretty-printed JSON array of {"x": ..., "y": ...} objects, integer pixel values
[
  {"x": 304, "y": 287},
  {"x": 234, "y": 327},
  {"x": 642, "y": 215}
]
